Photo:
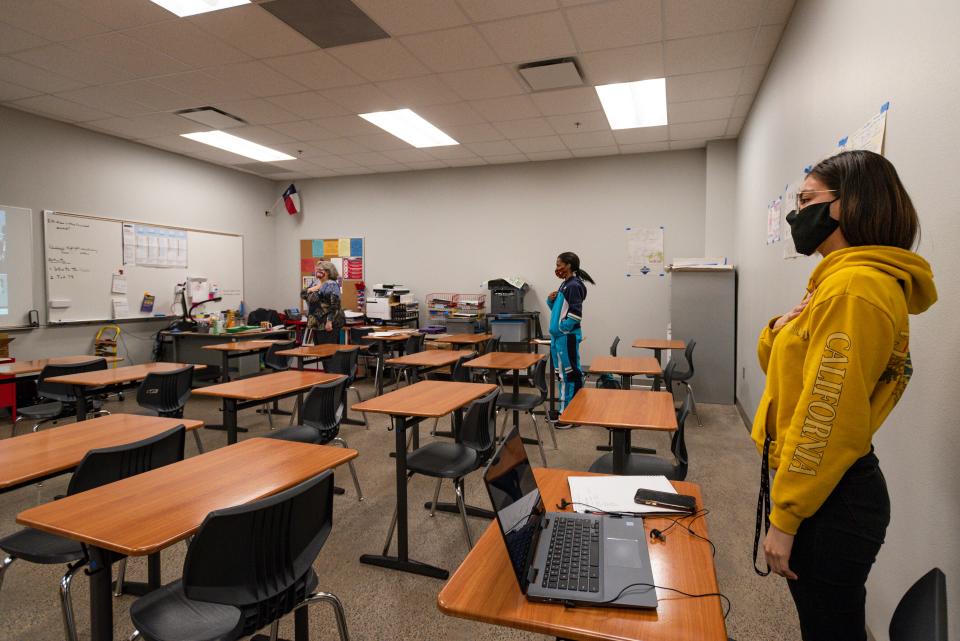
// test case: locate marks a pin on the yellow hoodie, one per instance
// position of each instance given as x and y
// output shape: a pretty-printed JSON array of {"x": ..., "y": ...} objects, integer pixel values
[{"x": 835, "y": 371}]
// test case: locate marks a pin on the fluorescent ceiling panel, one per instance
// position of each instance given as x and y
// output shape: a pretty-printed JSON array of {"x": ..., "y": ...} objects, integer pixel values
[
  {"x": 193, "y": 7},
  {"x": 409, "y": 127},
  {"x": 635, "y": 104},
  {"x": 239, "y": 146}
]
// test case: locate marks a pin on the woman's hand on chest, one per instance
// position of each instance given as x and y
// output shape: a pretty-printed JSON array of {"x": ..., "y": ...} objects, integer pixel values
[{"x": 793, "y": 313}]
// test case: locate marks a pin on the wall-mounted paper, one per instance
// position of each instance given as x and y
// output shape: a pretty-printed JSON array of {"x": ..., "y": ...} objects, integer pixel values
[
  {"x": 773, "y": 220},
  {"x": 644, "y": 251},
  {"x": 118, "y": 284}
]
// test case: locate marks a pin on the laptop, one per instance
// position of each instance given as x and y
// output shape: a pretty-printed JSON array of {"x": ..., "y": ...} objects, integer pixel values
[{"x": 566, "y": 557}]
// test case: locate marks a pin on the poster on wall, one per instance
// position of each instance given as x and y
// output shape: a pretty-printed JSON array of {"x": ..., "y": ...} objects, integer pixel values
[
  {"x": 869, "y": 136},
  {"x": 773, "y": 220},
  {"x": 346, "y": 254},
  {"x": 644, "y": 251}
]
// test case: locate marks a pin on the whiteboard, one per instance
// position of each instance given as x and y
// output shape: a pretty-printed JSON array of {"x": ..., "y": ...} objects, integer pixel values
[
  {"x": 83, "y": 253},
  {"x": 16, "y": 266}
]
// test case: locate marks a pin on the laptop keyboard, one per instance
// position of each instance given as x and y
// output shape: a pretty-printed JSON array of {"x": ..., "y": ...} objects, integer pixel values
[{"x": 573, "y": 561}]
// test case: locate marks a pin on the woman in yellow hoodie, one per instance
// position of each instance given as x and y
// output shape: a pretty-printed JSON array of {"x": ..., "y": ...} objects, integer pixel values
[{"x": 836, "y": 364}]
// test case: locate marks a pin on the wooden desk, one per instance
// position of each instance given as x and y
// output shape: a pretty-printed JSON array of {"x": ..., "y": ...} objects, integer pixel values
[
  {"x": 315, "y": 352},
  {"x": 24, "y": 368},
  {"x": 622, "y": 411},
  {"x": 429, "y": 359},
  {"x": 485, "y": 587},
  {"x": 117, "y": 517},
  {"x": 251, "y": 392},
  {"x": 236, "y": 350},
  {"x": 628, "y": 367},
  {"x": 658, "y": 345},
  {"x": 36, "y": 456},
  {"x": 188, "y": 346},
  {"x": 514, "y": 361},
  {"x": 394, "y": 337},
  {"x": 408, "y": 406},
  {"x": 459, "y": 340}
]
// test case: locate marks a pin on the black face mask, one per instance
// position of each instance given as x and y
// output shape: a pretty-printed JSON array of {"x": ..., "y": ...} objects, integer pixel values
[{"x": 811, "y": 226}]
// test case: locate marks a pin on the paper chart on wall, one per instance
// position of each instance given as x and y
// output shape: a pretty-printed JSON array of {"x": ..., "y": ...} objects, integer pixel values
[
  {"x": 773, "y": 220},
  {"x": 790, "y": 199},
  {"x": 869, "y": 136},
  {"x": 129, "y": 244},
  {"x": 644, "y": 251}
]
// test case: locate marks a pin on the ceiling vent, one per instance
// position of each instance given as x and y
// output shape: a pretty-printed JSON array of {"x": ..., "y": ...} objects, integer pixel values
[
  {"x": 551, "y": 74},
  {"x": 328, "y": 23},
  {"x": 211, "y": 117}
]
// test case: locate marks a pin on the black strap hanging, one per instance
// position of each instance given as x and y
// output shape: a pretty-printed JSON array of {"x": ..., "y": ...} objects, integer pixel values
[{"x": 763, "y": 506}]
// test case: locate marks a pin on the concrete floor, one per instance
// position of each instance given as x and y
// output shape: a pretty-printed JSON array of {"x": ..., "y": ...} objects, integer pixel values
[{"x": 382, "y": 604}]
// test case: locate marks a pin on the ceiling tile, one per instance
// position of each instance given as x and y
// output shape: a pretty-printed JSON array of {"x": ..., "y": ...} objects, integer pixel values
[
  {"x": 451, "y": 153},
  {"x": 698, "y": 110},
  {"x": 363, "y": 99},
  {"x": 304, "y": 131},
  {"x": 152, "y": 95},
  {"x": 10, "y": 91},
  {"x": 298, "y": 149},
  {"x": 539, "y": 144},
  {"x": 30, "y": 77},
  {"x": 777, "y": 11},
  {"x": 644, "y": 147},
  {"x": 466, "y": 162},
  {"x": 686, "y": 18},
  {"x": 751, "y": 79},
  {"x": 316, "y": 69},
  {"x": 530, "y": 38},
  {"x": 505, "y": 159},
  {"x": 575, "y": 123},
  {"x": 509, "y": 108},
  {"x": 429, "y": 164},
  {"x": 309, "y": 105},
  {"x": 765, "y": 45},
  {"x": 256, "y": 78},
  {"x": 186, "y": 42},
  {"x": 559, "y": 154},
  {"x": 381, "y": 142},
  {"x": 378, "y": 60},
  {"x": 335, "y": 162},
  {"x": 261, "y": 135},
  {"x": 107, "y": 99},
  {"x": 451, "y": 49},
  {"x": 201, "y": 87},
  {"x": 689, "y": 131},
  {"x": 369, "y": 158},
  {"x": 494, "y": 148},
  {"x": 481, "y": 132},
  {"x": 348, "y": 126},
  {"x": 588, "y": 139},
  {"x": 574, "y": 3},
  {"x": 626, "y": 64},
  {"x": 128, "y": 54},
  {"x": 458, "y": 113},
  {"x": 119, "y": 14},
  {"x": 171, "y": 123},
  {"x": 742, "y": 106},
  {"x": 488, "y": 82},
  {"x": 708, "y": 53},
  {"x": 175, "y": 143},
  {"x": 425, "y": 90},
  {"x": 590, "y": 152},
  {"x": 525, "y": 128},
  {"x": 257, "y": 111},
  {"x": 391, "y": 168},
  {"x": 220, "y": 157},
  {"x": 620, "y": 23},
  {"x": 641, "y": 135},
  {"x": 413, "y": 16},
  {"x": 483, "y": 10},
  {"x": 700, "y": 86},
  {"x": 408, "y": 155},
  {"x": 89, "y": 69},
  {"x": 59, "y": 108},
  {"x": 354, "y": 169},
  {"x": 254, "y": 31},
  {"x": 734, "y": 126},
  {"x": 13, "y": 39},
  {"x": 49, "y": 20},
  {"x": 688, "y": 144},
  {"x": 129, "y": 128},
  {"x": 567, "y": 101}
]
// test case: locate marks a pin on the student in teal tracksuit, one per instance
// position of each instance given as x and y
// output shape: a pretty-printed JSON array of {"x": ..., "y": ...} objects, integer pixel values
[{"x": 566, "y": 313}]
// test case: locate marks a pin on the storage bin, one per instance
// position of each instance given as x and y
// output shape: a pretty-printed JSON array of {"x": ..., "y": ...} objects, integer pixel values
[
  {"x": 461, "y": 325},
  {"x": 511, "y": 330}
]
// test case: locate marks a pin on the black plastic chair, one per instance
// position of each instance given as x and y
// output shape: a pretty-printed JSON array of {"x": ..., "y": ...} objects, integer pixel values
[
  {"x": 483, "y": 374},
  {"x": 614, "y": 345},
  {"x": 683, "y": 377},
  {"x": 276, "y": 364},
  {"x": 457, "y": 374},
  {"x": 234, "y": 585},
  {"x": 98, "y": 467},
  {"x": 166, "y": 393},
  {"x": 527, "y": 403},
  {"x": 921, "y": 614},
  {"x": 345, "y": 362},
  {"x": 59, "y": 400},
  {"x": 475, "y": 442},
  {"x": 323, "y": 410},
  {"x": 413, "y": 345}
]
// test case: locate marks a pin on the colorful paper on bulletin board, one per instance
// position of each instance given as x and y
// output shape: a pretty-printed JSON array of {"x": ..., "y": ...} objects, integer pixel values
[
  {"x": 317, "y": 248},
  {"x": 356, "y": 247},
  {"x": 307, "y": 265},
  {"x": 353, "y": 268},
  {"x": 343, "y": 247},
  {"x": 331, "y": 247}
]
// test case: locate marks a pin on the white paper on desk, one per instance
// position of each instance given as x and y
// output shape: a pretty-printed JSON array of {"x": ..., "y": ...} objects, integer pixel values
[
  {"x": 615, "y": 493},
  {"x": 383, "y": 334}
]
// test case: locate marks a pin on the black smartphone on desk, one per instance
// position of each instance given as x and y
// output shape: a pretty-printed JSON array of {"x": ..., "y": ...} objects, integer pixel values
[{"x": 666, "y": 500}]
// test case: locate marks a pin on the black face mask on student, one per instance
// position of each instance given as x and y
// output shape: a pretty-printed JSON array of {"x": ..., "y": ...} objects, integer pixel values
[{"x": 811, "y": 226}]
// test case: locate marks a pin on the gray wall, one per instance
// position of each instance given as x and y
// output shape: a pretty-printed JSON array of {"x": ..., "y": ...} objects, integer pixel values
[
  {"x": 449, "y": 230},
  {"x": 721, "y": 196},
  {"x": 46, "y": 164},
  {"x": 837, "y": 63}
]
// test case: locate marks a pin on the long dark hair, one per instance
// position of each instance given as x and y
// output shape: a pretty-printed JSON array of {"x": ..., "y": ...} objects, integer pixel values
[{"x": 573, "y": 261}]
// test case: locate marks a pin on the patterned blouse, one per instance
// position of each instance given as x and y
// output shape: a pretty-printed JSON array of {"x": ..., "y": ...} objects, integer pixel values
[{"x": 324, "y": 305}]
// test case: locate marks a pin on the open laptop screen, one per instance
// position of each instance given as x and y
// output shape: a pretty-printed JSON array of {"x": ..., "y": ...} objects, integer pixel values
[{"x": 516, "y": 499}]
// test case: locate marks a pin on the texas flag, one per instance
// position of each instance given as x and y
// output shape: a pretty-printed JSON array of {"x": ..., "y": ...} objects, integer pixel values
[{"x": 291, "y": 200}]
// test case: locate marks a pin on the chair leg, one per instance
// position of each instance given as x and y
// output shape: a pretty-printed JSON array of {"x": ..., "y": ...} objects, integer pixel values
[
  {"x": 553, "y": 432},
  {"x": 458, "y": 487},
  {"x": 337, "y": 610},
  {"x": 353, "y": 471},
  {"x": 196, "y": 437},
  {"x": 536, "y": 430},
  {"x": 275, "y": 630},
  {"x": 503, "y": 426},
  {"x": 6, "y": 563},
  {"x": 121, "y": 575},
  {"x": 66, "y": 603},
  {"x": 13, "y": 426},
  {"x": 433, "y": 430},
  {"x": 266, "y": 410},
  {"x": 134, "y": 636},
  {"x": 693, "y": 403},
  {"x": 363, "y": 414},
  {"x": 294, "y": 412},
  {"x": 436, "y": 497}
]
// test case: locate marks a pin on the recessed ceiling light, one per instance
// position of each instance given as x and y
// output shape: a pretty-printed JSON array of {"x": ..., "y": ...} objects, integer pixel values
[
  {"x": 409, "y": 127},
  {"x": 235, "y": 145},
  {"x": 193, "y": 7},
  {"x": 635, "y": 104}
]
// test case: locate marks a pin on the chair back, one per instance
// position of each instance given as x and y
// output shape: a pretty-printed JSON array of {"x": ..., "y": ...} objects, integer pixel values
[
  {"x": 921, "y": 614},
  {"x": 493, "y": 345},
  {"x": 60, "y": 391},
  {"x": 539, "y": 376},
  {"x": 459, "y": 373},
  {"x": 324, "y": 407},
  {"x": 344, "y": 361},
  {"x": 613, "y": 346},
  {"x": 111, "y": 464},
  {"x": 678, "y": 444},
  {"x": 688, "y": 356},
  {"x": 258, "y": 556},
  {"x": 278, "y": 363},
  {"x": 166, "y": 393},
  {"x": 478, "y": 430},
  {"x": 669, "y": 375},
  {"x": 414, "y": 343}
]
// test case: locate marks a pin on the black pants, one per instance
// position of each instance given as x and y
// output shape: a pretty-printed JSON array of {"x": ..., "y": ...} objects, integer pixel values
[
  {"x": 322, "y": 336},
  {"x": 833, "y": 552}
]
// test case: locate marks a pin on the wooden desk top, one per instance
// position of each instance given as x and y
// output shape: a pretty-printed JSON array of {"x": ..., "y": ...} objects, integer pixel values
[
  {"x": 623, "y": 365},
  {"x": 226, "y": 335},
  {"x": 258, "y": 388},
  {"x": 317, "y": 351},
  {"x": 397, "y": 336},
  {"x": 243, "y": 346},
  {"x": 148, "y": 512},
  {"x": 505, "y": 360},
  {"x": 427, "y": 398},
  {"x": 658, "y": 343},
  {"x": 485, "y": 588},
  {"x": 427, "y": 358},
  {"x": 20, "y": 368},
  {"x": 42, "y": 454},
  {"x": 622, "y": 409},
  {"x": 465, "y": 339},
  {"x": 127, "y": 374}
]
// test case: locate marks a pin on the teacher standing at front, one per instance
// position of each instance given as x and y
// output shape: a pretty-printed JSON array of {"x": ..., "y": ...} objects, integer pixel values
[{"x": 324, "y": 314}]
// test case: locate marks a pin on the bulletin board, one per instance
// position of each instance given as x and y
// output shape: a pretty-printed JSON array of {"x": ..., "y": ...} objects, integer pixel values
[{"x": 347, "y": 256}]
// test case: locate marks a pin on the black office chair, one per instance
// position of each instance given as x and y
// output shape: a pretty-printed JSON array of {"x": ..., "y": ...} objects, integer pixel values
[
  {"x": 921, "y": 614},
  {"x": 614, "y": 345},
  {"x": 276, "y": 363},
  {"x": 234, "y": 585},
  {"x": 323, "y": 409},
  {"x": 165, "y": 394},
  {"x": 483, "y": 374},
  {"x": 475, "y": 442},
  {"x": 59, "y": 400},
  {"x": 457, "y": 374},
  {"x": 345, "y": 362},
  {"x": 683, "y": 377},
  {"x": 413, "y": 345},
  {"x": 527, "y": 403},
  {"x": 98, "y": 467}
]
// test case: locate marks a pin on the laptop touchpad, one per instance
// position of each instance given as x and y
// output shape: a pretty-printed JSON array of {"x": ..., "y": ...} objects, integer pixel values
[{"x": 623, "y": 553}]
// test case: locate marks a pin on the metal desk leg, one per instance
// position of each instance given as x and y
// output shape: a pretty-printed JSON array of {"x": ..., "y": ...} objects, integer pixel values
[
  {"x": 82, "y": 406},
  {"x": 101, "y": 597},
  {"x": 225, "y": 366},
  {"x": 621, "y": 450},
  {"x": 554, "y": 414},
  {"x": 139, "y": 588},
  {"x": 230, "y": 419}
]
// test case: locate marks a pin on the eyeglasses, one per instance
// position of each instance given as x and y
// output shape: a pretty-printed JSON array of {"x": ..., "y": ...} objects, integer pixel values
[{"x": 803, "y": 196}]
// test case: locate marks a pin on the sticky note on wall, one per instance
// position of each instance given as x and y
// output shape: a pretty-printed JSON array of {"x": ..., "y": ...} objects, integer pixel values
[
  {"x": 307, "y": 265},
  {"x": 317, "y": 248},
  {"x": 331, "y": 247},
  {"x": 356, "y": 247},
  {"x": 343, "y": 247}
]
